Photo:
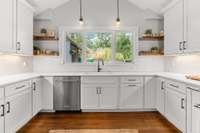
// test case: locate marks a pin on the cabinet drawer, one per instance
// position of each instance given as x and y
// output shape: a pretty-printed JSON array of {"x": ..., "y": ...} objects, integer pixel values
[
  {"x": 96, "y": 80},
  {"x": 129, "y": 85},
  {"x": 1, "y": 93},
  {"x": 15, "y": 88},
  {"x": 131, "y": 79},
  {"x": 176, "y": 86}
]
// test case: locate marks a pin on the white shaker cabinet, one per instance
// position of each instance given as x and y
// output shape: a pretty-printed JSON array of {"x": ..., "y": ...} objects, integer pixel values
[
  {"x": 131, "y": 96},
  {"x": 174, "y": 29},
  {"x": 160, "y": 96},
  {"x": 7, "y": 26},
  {"x": 108, "y": 96},
  {"x": 193, "y": 28},
  {"x": 18, "y": 111},
  {"x": 150, "y": 92},
  {"x": 37, "y": 96},
  {"x": 24, "y": 28},
  {"x": 195, "y": 112},
  {"x": 175, "y": 108},
  {"x": 47, "y": 94},
  {"x": 89, "y": 96},
  {"x": 98, "y": 96},
  {"x": 2, "y": 114}
]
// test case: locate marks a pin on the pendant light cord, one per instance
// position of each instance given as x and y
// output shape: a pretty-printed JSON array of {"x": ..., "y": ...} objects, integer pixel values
[
  {"x": 81, "y": 15},
  {"x": 118, "y": 9}
]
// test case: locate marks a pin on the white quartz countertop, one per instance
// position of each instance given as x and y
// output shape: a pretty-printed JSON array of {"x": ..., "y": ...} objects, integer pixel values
[{"x": 6, "y": 80}]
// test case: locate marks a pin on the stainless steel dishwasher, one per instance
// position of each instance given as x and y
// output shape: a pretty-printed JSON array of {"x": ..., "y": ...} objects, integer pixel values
[{"x": 66, "y": 94}]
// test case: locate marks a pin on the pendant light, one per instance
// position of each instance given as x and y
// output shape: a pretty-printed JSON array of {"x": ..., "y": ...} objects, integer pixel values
[
  {"x": 118, "y": 18},
  {"x": 81, "y": 21}
]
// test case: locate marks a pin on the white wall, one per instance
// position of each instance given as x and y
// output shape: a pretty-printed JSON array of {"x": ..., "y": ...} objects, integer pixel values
[
  {"x": 100, "y": 13},
  {"x": 188, "y": 64},
  {"x": 10, "y": 64},
  {"x": 142, "y": 64}
]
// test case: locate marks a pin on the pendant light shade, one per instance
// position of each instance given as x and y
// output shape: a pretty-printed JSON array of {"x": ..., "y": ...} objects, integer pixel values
[
  {"x": 118, "y": 18},
  {"x": 81, "y": 21}
]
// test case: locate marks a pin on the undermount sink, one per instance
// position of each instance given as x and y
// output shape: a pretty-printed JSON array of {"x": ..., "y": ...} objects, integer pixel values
[{"x": 98, "y": 73}]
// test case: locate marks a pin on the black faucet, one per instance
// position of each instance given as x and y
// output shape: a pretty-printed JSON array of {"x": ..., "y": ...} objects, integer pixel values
[{"x": 98, "y": 66}]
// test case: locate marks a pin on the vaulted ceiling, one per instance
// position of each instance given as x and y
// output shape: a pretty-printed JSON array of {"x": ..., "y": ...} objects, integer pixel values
[{"x": 154, "y": 5}]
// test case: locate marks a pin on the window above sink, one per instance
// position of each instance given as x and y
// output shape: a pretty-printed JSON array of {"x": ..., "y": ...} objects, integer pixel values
[{"x": 86, "y": 46}]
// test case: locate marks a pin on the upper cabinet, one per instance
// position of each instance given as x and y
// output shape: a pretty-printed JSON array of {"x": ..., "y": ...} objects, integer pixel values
[
  {"x": 181, "y": 27},
  {"x": 6, "y": 26},
  {"x": 193, "y": 28},
  {"x": 17, "y": 27},
  {"x": 24, "y": 28},
  {"x": 173, "y": 25}
]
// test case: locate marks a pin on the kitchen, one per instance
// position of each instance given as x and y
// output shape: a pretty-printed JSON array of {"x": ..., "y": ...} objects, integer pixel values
[{"x": 99, "y": 66}]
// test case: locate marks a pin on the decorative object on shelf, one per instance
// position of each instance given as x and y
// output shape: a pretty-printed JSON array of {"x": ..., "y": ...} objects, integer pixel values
[
  {"x": 155, "y": 50},
  {"x": 149, "y": 32},
  {"x": 52, "y": 33},
  {"x": 43, "y": 32},
  {"x": 36, "y": 50},
  {"x": 162, "y": 33}
]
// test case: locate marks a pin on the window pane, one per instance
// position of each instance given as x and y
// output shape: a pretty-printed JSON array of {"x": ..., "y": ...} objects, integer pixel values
[
  {"x": 98, "y": 46},
  {"x": 124, "y": 47},
  {"x": 74, "y": 47}
]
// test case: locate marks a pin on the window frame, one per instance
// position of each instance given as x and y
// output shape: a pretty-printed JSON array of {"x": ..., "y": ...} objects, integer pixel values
[{"x": 63, "y": 31}]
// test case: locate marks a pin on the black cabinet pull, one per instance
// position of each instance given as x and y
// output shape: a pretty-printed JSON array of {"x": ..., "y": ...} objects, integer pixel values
[
  {"x": 182, "y": 103},
  {"x": 162, "y": 85},
  {"x": 3, "y": 110},
  {"x": 8, "y": 103},
  {"x": 34, "y": 86}
]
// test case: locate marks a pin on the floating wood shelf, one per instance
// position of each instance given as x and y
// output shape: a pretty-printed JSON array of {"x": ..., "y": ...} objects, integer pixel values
[
  {"x": 152, "y": 38},
  {"x": 149, "y": 53},
  {"x": 44, "y": 38}
]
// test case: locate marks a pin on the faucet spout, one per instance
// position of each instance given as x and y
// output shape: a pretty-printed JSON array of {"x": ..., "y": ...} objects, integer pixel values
[{"x": 98, "y": 66}]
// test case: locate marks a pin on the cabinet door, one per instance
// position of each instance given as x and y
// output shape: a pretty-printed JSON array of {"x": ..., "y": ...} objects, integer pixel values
[
  {"x": 150, "y": 92},
  {"x": 193, "y": 28},
  {"x": 37, "y": 97},
  {"x": 195, "y": 112},
  {"x": 6, "y": 26},
  {"x": 131, "y": 96},
  {"x": 175, "y": 109},
  {"x": 24, "y": 29},
  {"x": 160, "y": 96},
  {"x": 47, "y": 94},
  {"x": 108, "y": 97},
  {"x": 2, "y": 114},
  {"x": 18, "y": 111},
  {"x": 174, "y": 29},
  {"x": 90, "y": 96}
]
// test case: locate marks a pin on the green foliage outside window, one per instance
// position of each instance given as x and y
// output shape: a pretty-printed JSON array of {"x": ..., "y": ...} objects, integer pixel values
[{"x": 124, "y": 47}]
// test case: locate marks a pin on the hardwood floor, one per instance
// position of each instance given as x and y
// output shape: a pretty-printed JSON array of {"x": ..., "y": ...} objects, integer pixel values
[{"x": 148, "y": 122}]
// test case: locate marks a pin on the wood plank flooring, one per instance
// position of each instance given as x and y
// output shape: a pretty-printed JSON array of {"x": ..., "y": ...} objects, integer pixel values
[{"x": 145, "y": 122}]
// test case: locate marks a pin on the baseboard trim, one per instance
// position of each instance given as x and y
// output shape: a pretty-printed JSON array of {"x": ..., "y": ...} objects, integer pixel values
[{"x": 119, "y": 110}]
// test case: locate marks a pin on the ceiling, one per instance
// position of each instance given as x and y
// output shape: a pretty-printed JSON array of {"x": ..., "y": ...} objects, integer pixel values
[{"x": 154, "y": 5}]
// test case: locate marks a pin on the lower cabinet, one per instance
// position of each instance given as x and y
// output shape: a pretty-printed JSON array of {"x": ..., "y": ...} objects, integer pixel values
[
  {"x": 150, "y": 92},
  {"x": 131, "y": 96},
  {"x": 195, "y": 111},
  {"x": 175, "y": 108},
  {"x": 47, "y": 93},
  {"x": 36, "y": 96},
  {"x": 94, "y": 96},
  {"x": 2, "y": 114},
  {"x": 17, "y": 111},
  {"x": 160, "y": 96}
]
